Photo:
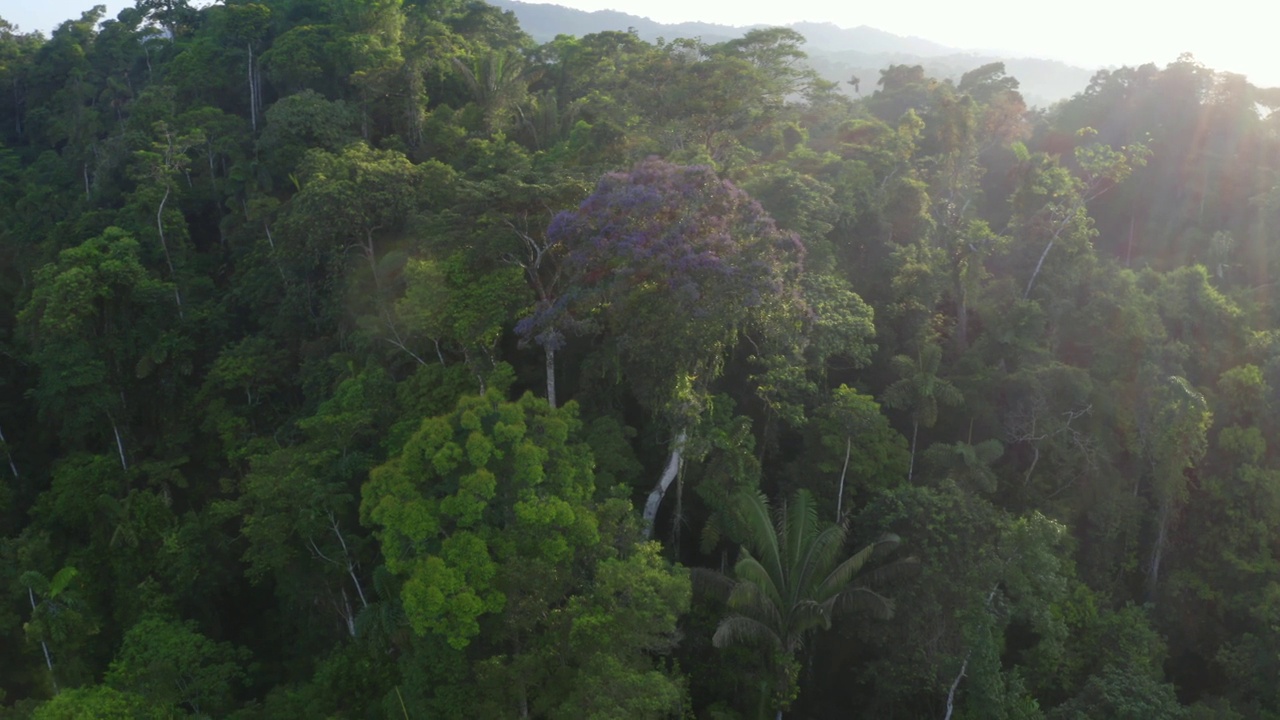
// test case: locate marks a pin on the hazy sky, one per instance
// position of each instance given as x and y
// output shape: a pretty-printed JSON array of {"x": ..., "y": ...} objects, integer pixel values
[{"x": 1231, "y": 35}]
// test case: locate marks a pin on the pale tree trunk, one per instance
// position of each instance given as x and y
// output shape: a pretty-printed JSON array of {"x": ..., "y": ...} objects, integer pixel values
[
  {"x": 1128, "y": 253},
  {"x": 848, "y": 445},
  {"x": 213, "y": 182},
  {"x": 347, "y": 563},
  {"x": 348, "y": 615},
  {"x": 551, "y": 378},
  {"x": 253, "y": 95},
  {"x": 955, "y": 684},
  {"x": 1157, "y": 552},
  {"x": 964, "y": 666},
  {"x": 911, "y": 468},
  {"x": 1066, "y": 220},
  {"x": 1040, "y": 264},
  {"x": 12, "y": 465},
  {"x": 272, "y": 242},
  {"x": 119, "y": 444},
  {"x": 668, "y": 476},
  {"x": 48, "y": 659},
  {"x": 370, "y": 254},
  {"x": 165, "y": 246}
]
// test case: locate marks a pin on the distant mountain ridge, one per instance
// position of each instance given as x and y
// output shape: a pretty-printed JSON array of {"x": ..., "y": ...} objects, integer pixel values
[{"x": 836, "y": 53}]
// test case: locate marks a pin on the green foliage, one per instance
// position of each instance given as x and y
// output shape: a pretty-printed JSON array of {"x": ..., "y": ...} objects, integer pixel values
[
  {"x": 449, "y": 526},
  {"x": 1118, "y": 694},
  {"x": 93, "y": 320},
  {"x": 170, "y": 663},
  {"x": 851, "y": 440},
  {"x": 99, "y": 702},
  {"x": 269, "y": 269}
]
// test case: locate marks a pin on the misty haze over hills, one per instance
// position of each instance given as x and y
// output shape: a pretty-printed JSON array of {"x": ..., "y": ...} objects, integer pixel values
[{"x": 837, "y": 53}]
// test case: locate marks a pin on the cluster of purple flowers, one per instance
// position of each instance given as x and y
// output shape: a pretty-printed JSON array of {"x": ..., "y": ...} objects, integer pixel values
[{"x": 698, "y": 240}]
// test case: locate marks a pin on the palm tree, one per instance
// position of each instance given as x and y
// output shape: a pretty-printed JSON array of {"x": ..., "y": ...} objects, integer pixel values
[
  {"x": 919, "y": 390},
  {"x": 790, "y": 580},
  {"x": 498, "y": 83}
]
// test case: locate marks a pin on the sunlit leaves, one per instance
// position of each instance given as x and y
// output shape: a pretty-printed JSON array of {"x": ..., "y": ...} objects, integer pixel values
[{"x": 431, "y": 500}]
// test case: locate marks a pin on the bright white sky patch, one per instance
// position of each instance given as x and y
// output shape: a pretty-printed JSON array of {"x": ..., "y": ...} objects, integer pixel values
[{"x": 1230, "y": 35}]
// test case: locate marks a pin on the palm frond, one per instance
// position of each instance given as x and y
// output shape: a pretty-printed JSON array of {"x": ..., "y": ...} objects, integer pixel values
[
  {"x": 749, "y": 570},
  {"x": 860, "y": 597},
  {"x": 752, "y": 510},
  {"x": 749, "y": 600},
  {"x": 809, "y": 615},
  {"x": 889, "y": 572},
  {"x": 799, "y": 519},
  {"x": 741, "y": 630},
  {"x": 711, "y": 583},
  {"x": 844, "y": 573},
  {"x": 823, "y": 553}
]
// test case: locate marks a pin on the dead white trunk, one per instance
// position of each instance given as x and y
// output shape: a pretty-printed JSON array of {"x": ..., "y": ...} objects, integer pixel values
[{"x": 668, "y": 476}]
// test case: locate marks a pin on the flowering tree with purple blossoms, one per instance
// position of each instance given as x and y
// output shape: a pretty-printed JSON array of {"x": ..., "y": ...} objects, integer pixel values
[{"x": 669, "y": 265}]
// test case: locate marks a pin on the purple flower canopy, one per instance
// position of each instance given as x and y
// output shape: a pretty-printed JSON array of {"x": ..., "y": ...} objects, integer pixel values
[{"x": 678, "y": 228}]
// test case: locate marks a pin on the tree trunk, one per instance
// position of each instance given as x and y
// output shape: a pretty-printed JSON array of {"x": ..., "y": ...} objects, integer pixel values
[
  {"x": 12, "y": 465},
  {"x": 253, "y": 96},
  {"x": 551, "y": 377},
  {"x": 848, "y": 444},
  {"x": 955, "y": 684},
  {"x": 272, "y": 242},
  {"x": 346, "y": 557},
  {"x": 48, "y": 659},
  {"x": 168, "y": 260},
  {"x": 370, "y": 253},
  {"x": 911, "y": 468},
  {"x": 348, "y": 615},
  {"x": 1031, "y": 283},
  {"x": 1157, "y": 552},
  {"x": 119, "y": 445},
  {"x": 1128, "y": 253},
  {"x": 1026, "y": 480},
  {"x": 213, "y": 183},
  {"x": 664, "y": 482}
]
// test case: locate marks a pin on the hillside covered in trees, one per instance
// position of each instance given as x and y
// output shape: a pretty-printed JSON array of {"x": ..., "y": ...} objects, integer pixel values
[
  {"x": 845, "y": 56},
  {"x": 366, "y": 359}
]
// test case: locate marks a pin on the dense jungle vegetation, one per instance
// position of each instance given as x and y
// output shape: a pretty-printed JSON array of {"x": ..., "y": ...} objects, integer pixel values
[{"x": 364, "y": 359}]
